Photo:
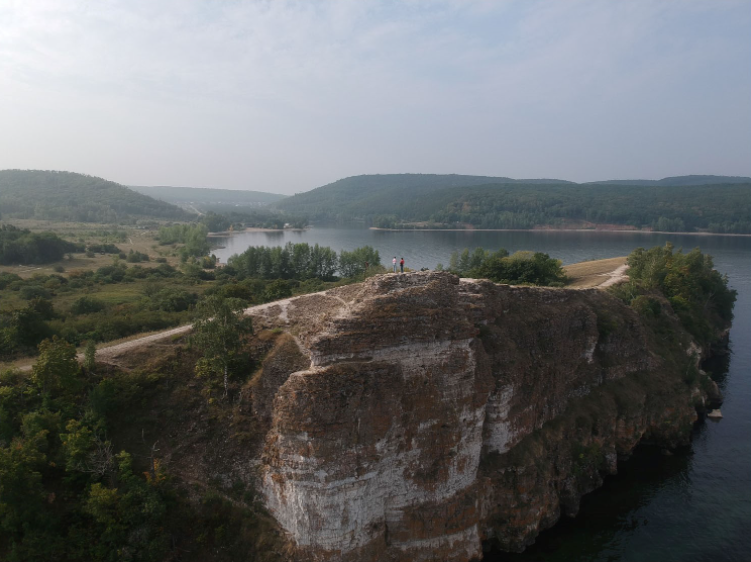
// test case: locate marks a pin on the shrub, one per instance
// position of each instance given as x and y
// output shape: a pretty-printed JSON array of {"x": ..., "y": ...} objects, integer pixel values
[
  {"x": 29, "y": 292},
  {"x": 87, "y": 305},
  {"x": 276, "y": 290},
  {"x": 521, "y": 267},
  {"x": 646, "y": 305}
]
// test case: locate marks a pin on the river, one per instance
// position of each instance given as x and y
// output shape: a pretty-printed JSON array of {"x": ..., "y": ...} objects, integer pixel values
[{"x": 690, "y": 507}]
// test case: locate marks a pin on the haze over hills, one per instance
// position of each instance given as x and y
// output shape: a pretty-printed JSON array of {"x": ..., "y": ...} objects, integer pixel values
[
  {"x": 182, "y": 196},
  {"x": 67, "y": 196},
  {"x": 681, "y": 180},
  {"x": 684, "y": 203},
  {"x": 486, "y": 202}
]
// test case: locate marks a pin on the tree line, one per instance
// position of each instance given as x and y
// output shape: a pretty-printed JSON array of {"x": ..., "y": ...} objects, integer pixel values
[
  {"x": 20, "y": 246},
  {"x": 443, "y": 201},
  {"x": 303, "y": 261},
  {"x": 228, "y": 216}
]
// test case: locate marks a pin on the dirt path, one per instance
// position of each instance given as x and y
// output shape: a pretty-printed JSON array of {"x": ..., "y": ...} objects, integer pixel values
[
  {"x": 112, "y": 351},
  {"x": 108, "y": 352},
  {"x": 614, "y": 277}
]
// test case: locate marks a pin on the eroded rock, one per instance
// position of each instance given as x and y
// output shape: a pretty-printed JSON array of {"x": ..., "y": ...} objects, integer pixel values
[{"x": 411, "y": 417}]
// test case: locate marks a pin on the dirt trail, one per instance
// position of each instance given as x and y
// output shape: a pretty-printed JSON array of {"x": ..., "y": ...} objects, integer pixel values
[
  {"x": 112, "y": 351},
  {"x": 105, "y": 353},
  {"x": 615, "y": 276}
]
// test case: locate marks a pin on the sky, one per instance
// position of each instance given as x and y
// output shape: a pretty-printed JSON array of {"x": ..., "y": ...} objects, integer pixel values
[{"x": 284, "y": 96}]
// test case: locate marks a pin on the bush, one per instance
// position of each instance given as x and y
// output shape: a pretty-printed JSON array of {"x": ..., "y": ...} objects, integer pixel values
[
  {"x": 136, "y": 257},
  {"x": 276, "y": 290},
  {"x": 104, "y": 248},
  {"x": 7, "y": 278},
  {"x": 236, "y": 291},
  {"x": 521, "y": 267},
  {"x": 173, "y": 300},
  {"x": 87, "y": 305},
  {"x": 29, "y": 292},
  {"x": 646, "y": 305}
]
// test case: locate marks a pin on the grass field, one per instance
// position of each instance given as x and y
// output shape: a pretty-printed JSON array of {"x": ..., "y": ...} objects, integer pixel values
[
  {"x": 591, "y": 273},
  {"x": 127, "y": 238}
]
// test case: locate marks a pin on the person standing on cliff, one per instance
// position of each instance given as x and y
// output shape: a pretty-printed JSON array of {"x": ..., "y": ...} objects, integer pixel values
[
  {"x": 394, "y": 262},
  {"x": 401, "y": 265}
]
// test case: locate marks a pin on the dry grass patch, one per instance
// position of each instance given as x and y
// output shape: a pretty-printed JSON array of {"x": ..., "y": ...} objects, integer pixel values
[{"x": 591, "y": 273}]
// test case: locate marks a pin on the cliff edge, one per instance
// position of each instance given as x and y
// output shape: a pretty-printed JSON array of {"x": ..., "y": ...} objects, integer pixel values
[{"x": 417, "y": 416}]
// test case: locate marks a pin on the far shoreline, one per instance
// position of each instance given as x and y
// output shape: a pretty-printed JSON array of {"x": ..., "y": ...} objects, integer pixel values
[
  {"x": 597, "y": 230},
  {"x": 224, "y": 233}
]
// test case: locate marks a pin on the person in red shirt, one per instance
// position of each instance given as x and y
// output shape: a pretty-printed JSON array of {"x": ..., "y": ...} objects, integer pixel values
[{"x": 401, "y": 265}]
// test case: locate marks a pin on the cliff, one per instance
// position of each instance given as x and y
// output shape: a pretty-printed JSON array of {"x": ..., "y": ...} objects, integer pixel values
[{"x": 413, "y": 417}]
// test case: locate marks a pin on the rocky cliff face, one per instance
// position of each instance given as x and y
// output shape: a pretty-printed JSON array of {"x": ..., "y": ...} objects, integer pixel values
[{"x": 412, "y": 417}]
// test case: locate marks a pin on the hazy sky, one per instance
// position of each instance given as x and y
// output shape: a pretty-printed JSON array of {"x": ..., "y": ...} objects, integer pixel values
[{"x": 285, "y": 96}]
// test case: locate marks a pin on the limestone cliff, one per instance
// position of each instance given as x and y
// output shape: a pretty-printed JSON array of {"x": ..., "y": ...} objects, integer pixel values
[{"x": 412, "y": 417}]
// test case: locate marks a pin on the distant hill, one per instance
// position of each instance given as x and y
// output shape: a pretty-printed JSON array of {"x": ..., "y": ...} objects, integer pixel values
[
  {"x": 381, "y": 194},
  {"x": 67, "y": 196},
  {"x": 486, "y": 202},
  {"x": 681, "y": 180},
  {"x": 205, "y": 198}
]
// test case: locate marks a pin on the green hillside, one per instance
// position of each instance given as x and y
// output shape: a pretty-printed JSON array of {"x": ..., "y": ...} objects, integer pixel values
[
  {"x": 382, "y": 194},
  {"x": 205, "y": 198},
  {"x": 67, "y": 196},
  {"x": 716, "y": 208},
  {"x": 485, "y": 202}
]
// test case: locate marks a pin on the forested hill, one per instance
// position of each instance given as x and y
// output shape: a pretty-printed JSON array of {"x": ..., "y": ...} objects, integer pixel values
[
  {"x": 370, "y": 195},
  {"x": 483, "y": 202},
  {"x": 681, "y": 180},
  {"x": 67, "y": 196},
  {"x": 207, "y": 197}
]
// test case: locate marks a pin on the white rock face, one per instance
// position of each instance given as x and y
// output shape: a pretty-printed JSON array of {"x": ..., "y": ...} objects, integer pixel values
[
  {"x": 336, "y": 510},
  {"x": 373, "y": 452},
  {"x": 499, "y": 430}
]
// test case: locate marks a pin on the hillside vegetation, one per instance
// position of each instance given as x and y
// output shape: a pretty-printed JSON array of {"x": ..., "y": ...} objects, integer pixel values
[
  {"x": 382, "y": 194},
  {"x": 457, "y": 201},
  {"x": 67, "y": 196},
  {"x": 23, "y": 246}
]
